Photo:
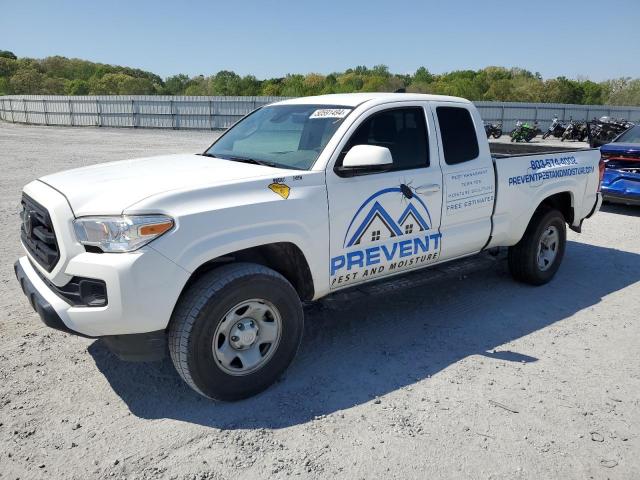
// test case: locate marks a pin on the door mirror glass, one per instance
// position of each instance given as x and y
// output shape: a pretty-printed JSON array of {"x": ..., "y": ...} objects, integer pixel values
[{"x": 367, "y": 156}]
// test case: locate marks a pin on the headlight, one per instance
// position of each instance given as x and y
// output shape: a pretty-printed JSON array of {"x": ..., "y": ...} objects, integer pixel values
[{"x": 121, "y": 234}]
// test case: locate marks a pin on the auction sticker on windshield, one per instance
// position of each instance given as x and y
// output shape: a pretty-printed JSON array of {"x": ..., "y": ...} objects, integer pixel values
[{"x": 330, "y": 113}]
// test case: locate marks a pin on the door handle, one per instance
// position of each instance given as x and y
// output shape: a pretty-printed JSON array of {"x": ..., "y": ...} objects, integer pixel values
[{"x": 430, "y": 188}]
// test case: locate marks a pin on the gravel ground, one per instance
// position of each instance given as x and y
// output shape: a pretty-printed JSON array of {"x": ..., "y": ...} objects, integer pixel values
[{"x": 454, "y": 373}]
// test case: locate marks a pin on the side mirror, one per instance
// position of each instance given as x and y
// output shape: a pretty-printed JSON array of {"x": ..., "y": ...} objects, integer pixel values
[{"x": 366, "y": 158}]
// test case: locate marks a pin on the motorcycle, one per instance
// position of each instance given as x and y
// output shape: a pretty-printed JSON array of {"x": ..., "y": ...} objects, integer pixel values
[
  {"x": 556, "y": 129},
  {"x": 493, "y": 129},
  {"x": 524, "y": 132},
  {"x": 575, "y": 131},
  {"x": 605, "y": 129}
]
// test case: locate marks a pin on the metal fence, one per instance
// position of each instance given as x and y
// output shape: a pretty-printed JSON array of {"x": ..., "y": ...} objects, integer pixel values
[
  {"x": 210, "y": 113},
  {"x": 509, "y": 113},
  {"x": 201, "y": 113}
]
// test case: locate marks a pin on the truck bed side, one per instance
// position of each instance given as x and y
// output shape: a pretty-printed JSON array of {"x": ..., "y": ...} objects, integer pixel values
[{"x": 523, "y": 182}]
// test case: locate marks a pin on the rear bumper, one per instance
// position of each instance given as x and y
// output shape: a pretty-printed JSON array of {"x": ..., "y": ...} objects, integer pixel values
[
  {"x": 621, "y": 186},
  {"x": 626, "y": 199}
]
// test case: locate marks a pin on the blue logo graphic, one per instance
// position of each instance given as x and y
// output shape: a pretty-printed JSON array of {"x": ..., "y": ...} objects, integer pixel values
[
  {"x": 377, "y": 224},
  {"x": 376, "y": 243}
]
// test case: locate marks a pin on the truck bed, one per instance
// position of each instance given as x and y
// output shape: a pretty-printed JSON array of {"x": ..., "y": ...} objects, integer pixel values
[{"x": 524, "y": 180}]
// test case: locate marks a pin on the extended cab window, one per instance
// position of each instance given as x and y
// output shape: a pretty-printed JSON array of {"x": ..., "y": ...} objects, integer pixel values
[
  {"x": 459, "y": 140},
  {"x": 402, "y": 130}
]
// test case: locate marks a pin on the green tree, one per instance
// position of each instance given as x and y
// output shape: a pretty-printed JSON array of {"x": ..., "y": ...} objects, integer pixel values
[
  {"x": 54, "y": 86},
  {"x": 8, "y": 54},
  {"x": 197, "y": 86},
  {"x": 313, "y": 84},
  {"x": 225, "y": 82},
  {"x": 249, "y": 85},
  {"x": 77, "y": 87},
  {"x": 272, "y": 87},
  {"x": 623, "y": 91},
  {"x": 5, "y": 87},
  {"x": 593, "y": 93},
  {"x": 176, "y": 84},
  {"x": 8, "y": 67},
  {"x": 27, "y": 81},
  {"x": 120, "y": 84},
  {"x": 293, "y": 86}
]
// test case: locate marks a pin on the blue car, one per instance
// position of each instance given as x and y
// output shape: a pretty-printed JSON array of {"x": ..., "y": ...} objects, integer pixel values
[{"x": 621, "y": 181}]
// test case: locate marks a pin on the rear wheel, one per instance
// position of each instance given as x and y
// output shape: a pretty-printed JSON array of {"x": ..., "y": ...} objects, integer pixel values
[
  {"x": 235, "y": 331},
  {"x": 535, "y": 259}
]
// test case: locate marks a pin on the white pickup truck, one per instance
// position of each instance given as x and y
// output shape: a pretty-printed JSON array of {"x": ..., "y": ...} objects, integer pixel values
[{"x": 212, "y": 254}]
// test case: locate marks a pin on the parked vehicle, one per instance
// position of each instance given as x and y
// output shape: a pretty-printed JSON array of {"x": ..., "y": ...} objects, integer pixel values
[
  {"x": 524, "y": 132},
  {"x": 493, "y": 129},
  {"x": 606, "y": 129},
  {"x": 575, "y": 131},
  {"x": 621, "y": 181},
  {"x": 556, "y": 129},
  {"x": 213, "y": 254}
]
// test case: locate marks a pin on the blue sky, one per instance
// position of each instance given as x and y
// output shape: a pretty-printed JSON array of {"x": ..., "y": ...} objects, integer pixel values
[{"x": 595, "y": 39}]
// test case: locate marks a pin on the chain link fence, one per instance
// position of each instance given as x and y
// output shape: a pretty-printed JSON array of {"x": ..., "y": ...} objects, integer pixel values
[{"x": 212, "y": 113}]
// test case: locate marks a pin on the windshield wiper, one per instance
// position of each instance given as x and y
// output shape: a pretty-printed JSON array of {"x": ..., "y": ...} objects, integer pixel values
[
  {"x": 250, "y": 160},
  {"x": 240, "y": 159},
  {"x": 253, "y": 161}
]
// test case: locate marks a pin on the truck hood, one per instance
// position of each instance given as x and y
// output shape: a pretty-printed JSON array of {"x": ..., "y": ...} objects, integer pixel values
[{"x": 109, "y": 188}]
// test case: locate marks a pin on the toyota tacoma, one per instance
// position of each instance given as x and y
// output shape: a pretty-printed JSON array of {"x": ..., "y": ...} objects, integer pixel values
[{"x": 213, "y": 254}]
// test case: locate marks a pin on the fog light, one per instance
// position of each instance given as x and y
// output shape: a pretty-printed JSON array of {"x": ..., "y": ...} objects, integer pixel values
[{"x": 93, "y": 293}]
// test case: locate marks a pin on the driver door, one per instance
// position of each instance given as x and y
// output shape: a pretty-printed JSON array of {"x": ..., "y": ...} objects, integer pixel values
[{"x": 386, "y": 222}]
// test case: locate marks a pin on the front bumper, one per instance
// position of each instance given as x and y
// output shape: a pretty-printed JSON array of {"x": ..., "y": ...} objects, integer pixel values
[
  {"x": 40, "y": 304},
  {"x": 57, "y": 313},
  {"x": 142, "y": 287}
]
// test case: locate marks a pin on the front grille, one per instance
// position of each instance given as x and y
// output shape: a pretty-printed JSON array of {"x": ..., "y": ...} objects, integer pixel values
[{"x": 37, "y": 234}]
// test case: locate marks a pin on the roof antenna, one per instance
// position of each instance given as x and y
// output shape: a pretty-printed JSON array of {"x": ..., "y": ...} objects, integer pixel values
[{"x": 400, "y": 90}]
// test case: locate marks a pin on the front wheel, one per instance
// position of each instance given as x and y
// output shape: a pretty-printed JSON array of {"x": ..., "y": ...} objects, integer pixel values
[
  {"x": 535, "y": 259},
  {"x": 546, "y": 134},
  {"x": 235, "y": 331},
  {"x": 497, "y": 134}
]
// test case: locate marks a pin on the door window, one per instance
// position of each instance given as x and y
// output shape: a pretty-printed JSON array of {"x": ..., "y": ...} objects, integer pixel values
[{"x": 402, "y": 130}]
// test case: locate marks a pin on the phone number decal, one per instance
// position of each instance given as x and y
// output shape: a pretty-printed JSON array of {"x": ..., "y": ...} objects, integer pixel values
[{"x": 553, "y": 162}]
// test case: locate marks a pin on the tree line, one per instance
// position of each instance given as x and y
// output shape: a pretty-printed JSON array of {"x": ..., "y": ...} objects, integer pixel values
[{"x": 71, "y": 76}]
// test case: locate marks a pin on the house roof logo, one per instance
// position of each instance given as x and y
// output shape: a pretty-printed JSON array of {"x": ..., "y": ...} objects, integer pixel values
[{"x": 372, "y": 222}]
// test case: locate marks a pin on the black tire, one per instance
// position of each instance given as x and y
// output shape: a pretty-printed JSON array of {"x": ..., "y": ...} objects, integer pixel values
[
  {"x": 203, "y": 307},
  {"x": 545, "y": 135},
  {"x": 497, "y": 134},
  {"x": 523, "y": 257}
]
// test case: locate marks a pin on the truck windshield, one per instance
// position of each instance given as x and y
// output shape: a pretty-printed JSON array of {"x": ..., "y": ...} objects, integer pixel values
[{"x": 287, "y": 136}]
